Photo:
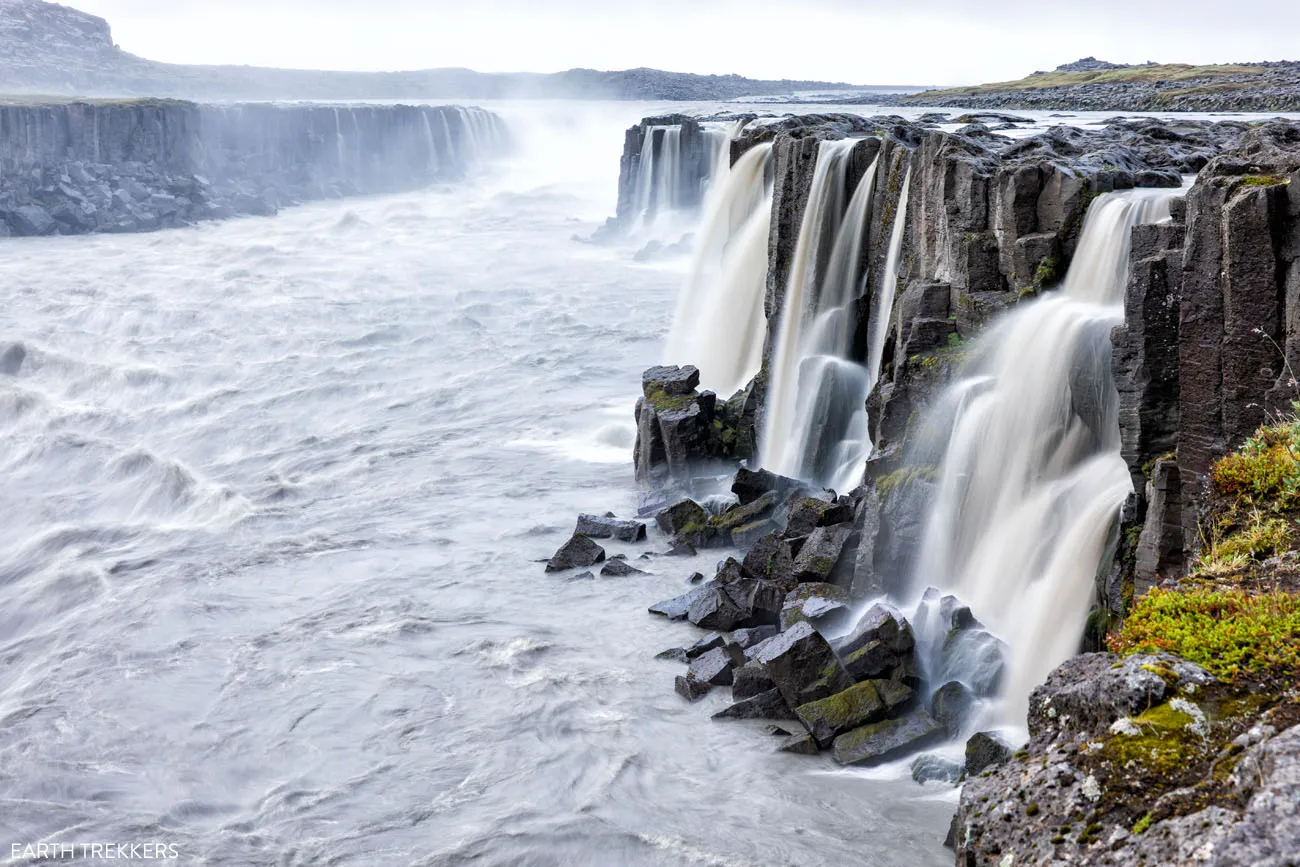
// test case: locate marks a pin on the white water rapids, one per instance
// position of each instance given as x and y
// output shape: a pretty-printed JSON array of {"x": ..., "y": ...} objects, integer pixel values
[{"x": 275, "y": 489}]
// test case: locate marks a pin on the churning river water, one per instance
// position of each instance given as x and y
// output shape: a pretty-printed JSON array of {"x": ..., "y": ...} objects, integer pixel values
[{"x": 272, "y": 496}]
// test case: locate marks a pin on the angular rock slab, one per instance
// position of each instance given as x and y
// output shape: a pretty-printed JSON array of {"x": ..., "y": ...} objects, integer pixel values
[
  {"x": 605, "y": 527},
  {"x": 829, "y": 717},
  {"x": 803, "y": 666},
  {"x": 578, "y": 552},
  {"x": 890, "y": 739},
  {"x": 765, "y": 705}
]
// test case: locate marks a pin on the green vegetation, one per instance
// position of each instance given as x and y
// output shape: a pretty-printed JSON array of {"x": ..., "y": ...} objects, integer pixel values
[
  {"x": 1230, "y": 633},
  {"x": 1263, "y": 181},
  {"x": 1255, "y": 501},
  {"x": 900, "y": 478},
  {"x": 1168, "y": 72},
  {"x": 1142, "y": 824},
  {"x": 1048, "y": 273}
]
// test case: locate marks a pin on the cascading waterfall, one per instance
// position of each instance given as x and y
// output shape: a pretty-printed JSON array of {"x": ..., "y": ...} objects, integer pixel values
[
  {"x": 885, "y": 296},
  {"x": 719, "y": 326},
  {"x": 667, "y": 186},
  {"x": 1030, "y": 478},
  {"x": 816, "y": 425}
]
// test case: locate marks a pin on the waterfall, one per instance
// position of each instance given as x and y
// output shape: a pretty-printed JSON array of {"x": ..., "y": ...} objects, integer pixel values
[
  {"x": 1030, "y": 478},
  {"x": 816, "y": 425},
  {"x": 885, "y": 296},
  {"x": 672, "y": 175},
  {"x": 434, "y": 162},
  {"x": 338, "y": 138},
  {"x": 719, "y": 325}
]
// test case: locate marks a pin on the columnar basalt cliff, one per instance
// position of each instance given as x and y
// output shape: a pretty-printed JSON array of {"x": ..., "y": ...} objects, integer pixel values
[
  {"x": 138, "y": 165},
  {"x": 1137, "y": 756}
]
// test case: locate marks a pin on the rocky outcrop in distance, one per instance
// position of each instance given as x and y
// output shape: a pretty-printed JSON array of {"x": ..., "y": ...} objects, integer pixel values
[
  {"x": 76, "y": 168},
  {"x": 1099, "y": 86}
]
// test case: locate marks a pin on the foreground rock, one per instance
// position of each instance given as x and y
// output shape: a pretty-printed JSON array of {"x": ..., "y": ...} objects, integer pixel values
[{"x": 578, "y": 552}]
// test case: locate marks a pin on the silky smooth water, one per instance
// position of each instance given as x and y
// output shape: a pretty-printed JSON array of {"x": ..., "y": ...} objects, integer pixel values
[{"x": 274, "y": 493}]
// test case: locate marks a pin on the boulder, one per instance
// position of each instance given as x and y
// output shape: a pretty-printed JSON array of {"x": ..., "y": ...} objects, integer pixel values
[
  {"x": 1087, "y": 693},
  {"x": 713, "y": 667},
  {"x": 809, "y": 513},
  {"x": 747, "y": 513},
  {"x": 691, "y": 690},
  {"x": 828, "y": 717},
  {"x": 682, "y": 517},
  {"x": 889, "y": 739},
  {"x": 825, "y": 606},
  {"x": 759, "y": 602},
  {"x": 709, "y": 642},
  {"x": 617, "y": 567},
  {"x": 880, "y": 623},
  {"x": 820, "y": 552},
  {"x": 671, "y": 380},
  {"x": 676, "y": 654},
  {"x": 803, "y": 666},
  {"x": 746, "y": 535},
  {"x": 765, "y": 705},
  {"x": 770, "y": 557},
  {"x": 750, "y": 680},
  {"x": 951, "y": 706},
  {"x": 873, "y": 659},
  {"x": 714, "y": 609},
  {"x": 578, "y": 552},
  {"x": 748, "y": 637},
  {"x": 607, "y": 527},
  {"x": 804, "y": 745},
  {"x": 983, "y": 750},
  {"x": 749, "y": 485},
  {"x": 32, "y": 221},
  {"x": 679, "y": 606}
]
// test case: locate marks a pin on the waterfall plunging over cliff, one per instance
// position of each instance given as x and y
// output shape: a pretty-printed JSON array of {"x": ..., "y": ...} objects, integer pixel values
[
  {"x": 719, "y": 325},
  {"x": 1030, "y": 478},
  {"x": 674, "y": 166},
  {"x": 816, "y": 425}
]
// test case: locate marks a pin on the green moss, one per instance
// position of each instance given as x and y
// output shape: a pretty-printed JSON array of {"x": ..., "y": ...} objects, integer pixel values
[
  {"x": 1142, "y": 824},
  {"x": 904, "y": 476},
  {"x": 1048, "y": 273},
  {"x": 1228, "y": 632},
  {"x": 1262, "y": 181},
  {"x": 662, "y": 401}
]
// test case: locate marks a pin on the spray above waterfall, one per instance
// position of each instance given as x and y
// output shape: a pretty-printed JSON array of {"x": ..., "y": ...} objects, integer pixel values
[{"x": 1029, "y": 473}]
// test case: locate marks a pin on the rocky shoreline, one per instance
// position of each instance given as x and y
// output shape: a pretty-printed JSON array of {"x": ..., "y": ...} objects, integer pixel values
[
  {"x": 1154, "y": 752},
  {"x": 140, "y": 165}
]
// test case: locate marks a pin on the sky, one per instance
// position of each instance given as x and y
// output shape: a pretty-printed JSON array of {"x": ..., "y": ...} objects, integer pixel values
[{"x": 862, "y": 42}]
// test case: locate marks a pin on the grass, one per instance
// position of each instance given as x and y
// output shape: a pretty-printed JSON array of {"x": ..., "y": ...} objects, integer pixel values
[
  {"x": 1230, "y": 633},
  {"x": 1254, "y": 501},
  {"x": 1163, "y": 73}
]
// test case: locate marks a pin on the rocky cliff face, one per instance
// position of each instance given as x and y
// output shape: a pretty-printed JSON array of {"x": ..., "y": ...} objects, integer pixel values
[
  {"x": 139, "y": 165},
  {"x": 1212, "y": 331}
]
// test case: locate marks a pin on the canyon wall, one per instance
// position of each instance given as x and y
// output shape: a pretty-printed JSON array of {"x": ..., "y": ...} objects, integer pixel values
[{"x": 73, "y": 168}]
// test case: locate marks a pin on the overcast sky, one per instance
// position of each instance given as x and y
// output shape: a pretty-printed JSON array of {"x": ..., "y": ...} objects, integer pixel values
[{"x": 860, "y": 41}]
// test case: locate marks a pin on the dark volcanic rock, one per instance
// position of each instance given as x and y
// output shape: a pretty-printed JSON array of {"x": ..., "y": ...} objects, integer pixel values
[
  {"x": 820, "y": 553},
  {"x": 749, "y": 485},
  {"x": 617, "y": 567},
  {"x": 803, "y": 666},
  {"x": 951, "y": 707},
  {"x": 679, "y": 606},
  {"x": 713, "y": 667},
  {"x": 603, "y": 527},
  {"x": 750, "y": 680},
  {"x": 714, "y": 609},
  {"x": 674, "y": 381},
  {"x": 878, "y": 742},
  {"x": 822, "y": 605},
  {"x": 983, "y": 750},
  {"x": 828, "y": 717},
  {"x": 879, "y": 623},
  {"x": 578, "y": 552},
  {"x": 804, "y": 745},
  {"x": 691, "y": 690},
  {"x": 770, "y": 558},
  {"x": 765, "y": 705},
  {"x": 682, "y": 515}
]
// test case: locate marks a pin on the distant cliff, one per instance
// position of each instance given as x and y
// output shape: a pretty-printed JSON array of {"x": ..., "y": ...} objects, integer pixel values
[
  {"x": 50, "y": 49},
  {"x": 138, "y": 165}
]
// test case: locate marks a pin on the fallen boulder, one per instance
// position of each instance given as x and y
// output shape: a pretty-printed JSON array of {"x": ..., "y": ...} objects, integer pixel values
[
  {"x": 578, "y": 552},
  {"x": 888, "y": 739},
  {"x": 803, "y": 666}
]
